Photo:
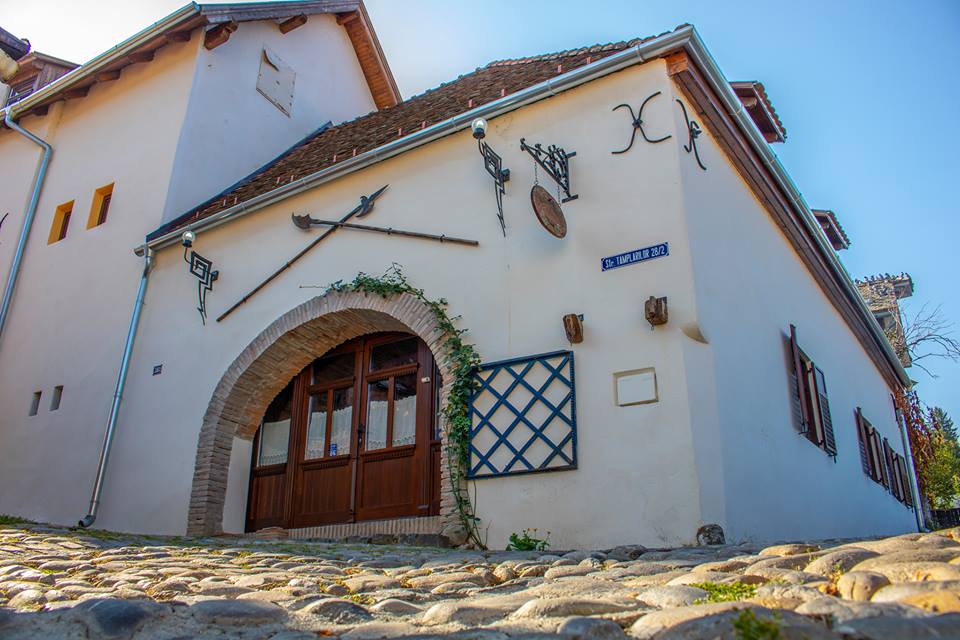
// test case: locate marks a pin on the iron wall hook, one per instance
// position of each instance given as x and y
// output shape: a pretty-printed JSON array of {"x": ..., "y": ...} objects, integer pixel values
[
  {"x": 693, "y": 132},
  {"x": 637, "y": 122}
]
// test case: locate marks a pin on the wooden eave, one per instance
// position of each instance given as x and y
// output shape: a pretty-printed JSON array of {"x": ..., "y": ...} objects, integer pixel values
[
  {"x": 731, "y": 139},
  {"x": 373, "y": 63}
]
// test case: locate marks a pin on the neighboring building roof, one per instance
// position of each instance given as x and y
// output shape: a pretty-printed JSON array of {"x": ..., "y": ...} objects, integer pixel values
[
  {"x": 831, "y": 226},
  {"x": 337, "y": 144},
  {"x": 219, "y": 21},
  {"x": 36, "y": 71},
  {"x": 13, "y": 46},
  {"x": 754, "y": 98},
  {"x": 902, "y": 284}
]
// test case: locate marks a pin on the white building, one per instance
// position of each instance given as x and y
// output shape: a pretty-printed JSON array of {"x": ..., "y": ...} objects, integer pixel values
[{"x": 220, "y": 121}]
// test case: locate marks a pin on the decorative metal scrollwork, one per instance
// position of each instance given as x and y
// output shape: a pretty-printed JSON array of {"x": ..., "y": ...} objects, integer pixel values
[
  {"x": 637, "y": 121},
  {"x": 555, "y": 161},
  {"x": 693, "y": 132},
  {"x": 494, "y": 166},
  {"x": 203, "y": 270}
]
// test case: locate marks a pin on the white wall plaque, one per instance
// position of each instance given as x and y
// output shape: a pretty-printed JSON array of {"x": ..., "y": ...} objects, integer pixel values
[
  {"x": 638, "y": 386},
  {"x": 276, "y": 79}
]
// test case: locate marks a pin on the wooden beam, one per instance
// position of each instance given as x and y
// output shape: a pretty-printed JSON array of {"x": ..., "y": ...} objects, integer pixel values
[
  {"x": 107, "y": 76},
  {"x": 218, "y": 35},
  {"x": 733, "y": 142},
  {"x": 344, "y": 18},
  {"x": 78, "y": 92},
  {"x": 141, "y": 56},
  {"x": 290, "y": 24},
  {"x": 178, "y": 36}
]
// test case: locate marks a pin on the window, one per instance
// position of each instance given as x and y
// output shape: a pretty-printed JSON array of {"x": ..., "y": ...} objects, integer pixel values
[
  {"x": 100, "y": 206},
  {"x": 35, "y": 403},
  {"x": 811, "y": 407},
  {"x": 57, "y": 395},
  {"x": 881, "y": 463},
  {"x": 275, "y": 81},
  {"x": 61, "y": 221}
]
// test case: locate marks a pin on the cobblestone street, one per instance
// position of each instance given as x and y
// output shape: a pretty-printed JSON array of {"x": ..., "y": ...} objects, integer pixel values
[{"x": 60, "y": 583}]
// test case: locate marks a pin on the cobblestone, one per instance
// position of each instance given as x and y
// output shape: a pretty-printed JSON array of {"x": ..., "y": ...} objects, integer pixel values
[{"x": 76, "y": 585}]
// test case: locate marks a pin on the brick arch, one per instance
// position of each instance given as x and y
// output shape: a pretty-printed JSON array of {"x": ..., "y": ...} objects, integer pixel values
[{"x": 271, "y": 360}]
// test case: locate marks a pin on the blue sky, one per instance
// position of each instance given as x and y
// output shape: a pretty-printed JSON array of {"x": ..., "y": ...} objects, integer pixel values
[{"x": 866, "y": 90}]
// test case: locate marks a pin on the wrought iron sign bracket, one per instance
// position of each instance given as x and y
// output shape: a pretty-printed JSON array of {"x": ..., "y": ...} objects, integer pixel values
[
  {"x": 555, "y": 161},
  {"x": 202, "y": 269},
  {"x": 637, "y": 121},
  {"x": 693, "y": 132}
]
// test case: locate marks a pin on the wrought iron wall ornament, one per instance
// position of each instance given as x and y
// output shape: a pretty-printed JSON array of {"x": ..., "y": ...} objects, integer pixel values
[
  {"x": 693, "y": 132},
  {"x": 555, "y": 161},
  {"x": 494, "y": 166},
  {"x": 637, "y": 121},
  {"x": 362, "y": 209},
  {"x": 202, "y": 269},
  {"x": 306, "y": 222}
]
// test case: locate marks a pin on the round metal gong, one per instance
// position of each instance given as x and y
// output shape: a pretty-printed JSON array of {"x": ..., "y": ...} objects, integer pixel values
[{"x": 548, "y": 211}]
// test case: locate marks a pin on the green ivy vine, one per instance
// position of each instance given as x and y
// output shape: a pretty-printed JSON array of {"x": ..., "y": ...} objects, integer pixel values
[{"x": 464, "y": 362}]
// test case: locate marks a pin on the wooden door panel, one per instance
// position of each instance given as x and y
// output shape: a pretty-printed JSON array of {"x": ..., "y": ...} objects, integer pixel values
[
  {"x": 266, "y": 501},
  {"x": 388, "y": 485},
  {"x": 324, "y": 497}
]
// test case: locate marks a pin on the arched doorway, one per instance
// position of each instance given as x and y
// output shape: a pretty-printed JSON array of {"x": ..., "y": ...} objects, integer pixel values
[
  {"x": 266, "y": 365},
  {"x": 352, "y": 437}
]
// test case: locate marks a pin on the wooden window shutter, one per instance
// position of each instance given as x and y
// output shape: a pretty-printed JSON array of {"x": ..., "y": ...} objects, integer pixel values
[
  {"x": 823, "y": 405},
  {"x": 800, "y": 417},
  {"x": 905, "y": 481},
  {"x": 864, "y": 444},
  {"x": 888, "y": 465}
]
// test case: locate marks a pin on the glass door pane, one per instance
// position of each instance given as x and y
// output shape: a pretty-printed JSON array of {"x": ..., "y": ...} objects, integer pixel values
[
  {"x": 377, "y": 413},
  {"x": 342, "y": 421},
  {"x": 317, "y": 428},
  {"x": 275, "y": 429},
  {"x": 405, "y": 410}
]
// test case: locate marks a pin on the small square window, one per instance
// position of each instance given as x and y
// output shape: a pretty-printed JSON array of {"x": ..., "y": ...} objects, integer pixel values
[
  {"x": 61, "y": 221},
  {"x": 101, "y": 205},
  {"x": 35, "y": 403},
  {"x": 57, "y": 395}
]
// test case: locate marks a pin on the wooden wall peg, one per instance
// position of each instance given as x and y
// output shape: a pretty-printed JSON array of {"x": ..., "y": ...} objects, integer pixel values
[
  {"x": 655, "y": 310},
  {"x": 573, "y": 325}
]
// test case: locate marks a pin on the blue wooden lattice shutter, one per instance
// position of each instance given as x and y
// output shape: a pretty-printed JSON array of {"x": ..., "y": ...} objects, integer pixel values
[{"x": 523, "y": 416}]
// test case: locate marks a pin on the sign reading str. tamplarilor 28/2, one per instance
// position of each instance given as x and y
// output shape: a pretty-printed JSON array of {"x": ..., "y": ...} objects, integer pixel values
[{"x": 631, "y": 257}]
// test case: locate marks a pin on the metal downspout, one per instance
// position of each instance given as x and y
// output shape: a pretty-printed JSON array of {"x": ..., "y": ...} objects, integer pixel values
[
  {"x": 28, "y": 218},
  {"x": 118, "y": 392},
  {"x": 914, "y": 488}
]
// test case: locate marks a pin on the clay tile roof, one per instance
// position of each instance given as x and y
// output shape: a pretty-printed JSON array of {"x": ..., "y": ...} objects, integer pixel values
[
  {"x": 759, "y": 106},
  {"x": 335, "y": 144},
  {"x": 831, "y": 226}
]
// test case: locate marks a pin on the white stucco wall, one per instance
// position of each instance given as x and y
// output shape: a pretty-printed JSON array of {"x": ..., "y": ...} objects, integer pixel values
[
  {"x": 72, "y": 305},
  {"x": 636, "y": 471},
  {"x": 751, "y": 285},
  {"x": 230, "y": 129}
]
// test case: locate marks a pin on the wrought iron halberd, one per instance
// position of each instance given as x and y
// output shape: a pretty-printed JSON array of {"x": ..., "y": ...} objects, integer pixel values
[
  {"x": 693, "y": 132},
  {"x": 202, "y": 269},
  {"x": 637, "y": 121},
  {"x": 555, "y": 161},
  {"x": 494, "y": 166}
]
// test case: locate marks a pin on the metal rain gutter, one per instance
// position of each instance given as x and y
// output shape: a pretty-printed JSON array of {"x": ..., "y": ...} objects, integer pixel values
[
  {"x": 91, "y": 516},
  {"x": 605, "y": 66},
  {"x": 698, "y": 50},
  {"x": 107, "y": 57},
  {"x": 28, "y": 217}
]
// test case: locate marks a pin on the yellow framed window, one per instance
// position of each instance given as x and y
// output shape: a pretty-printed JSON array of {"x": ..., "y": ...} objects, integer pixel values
[
  {"x": 100, "y": 206},
  {"x": 61, "y": 221}
]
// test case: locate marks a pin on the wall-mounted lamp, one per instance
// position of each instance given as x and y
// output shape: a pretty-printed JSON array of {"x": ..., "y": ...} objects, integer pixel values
[
  {"x": 494, "y": 166},
  {"x": 655, "y": 310},
  {"x": 202, "y": 269},
  {"x": 573, "y": 326}
]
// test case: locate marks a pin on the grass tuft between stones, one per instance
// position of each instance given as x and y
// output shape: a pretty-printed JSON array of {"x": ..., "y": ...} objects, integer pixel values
[
  {"x": 731, "y": 592},
  {"x": 747, "y": 626}
]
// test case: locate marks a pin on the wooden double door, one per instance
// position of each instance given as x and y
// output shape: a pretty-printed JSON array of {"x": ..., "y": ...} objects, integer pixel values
[{"x": 352, "y": 437}]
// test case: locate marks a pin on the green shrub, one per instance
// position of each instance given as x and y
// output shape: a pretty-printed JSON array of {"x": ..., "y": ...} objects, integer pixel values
[{"x": 523, "y": 541}]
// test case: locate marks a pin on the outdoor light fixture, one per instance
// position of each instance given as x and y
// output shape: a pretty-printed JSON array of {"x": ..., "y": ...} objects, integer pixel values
[
  {"x": 494, "y": 166},
  {"x": 187, "y": 238}
]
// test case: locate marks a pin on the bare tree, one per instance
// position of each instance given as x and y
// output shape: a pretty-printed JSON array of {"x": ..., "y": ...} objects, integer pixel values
[{"x": 928, "y": 335}]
